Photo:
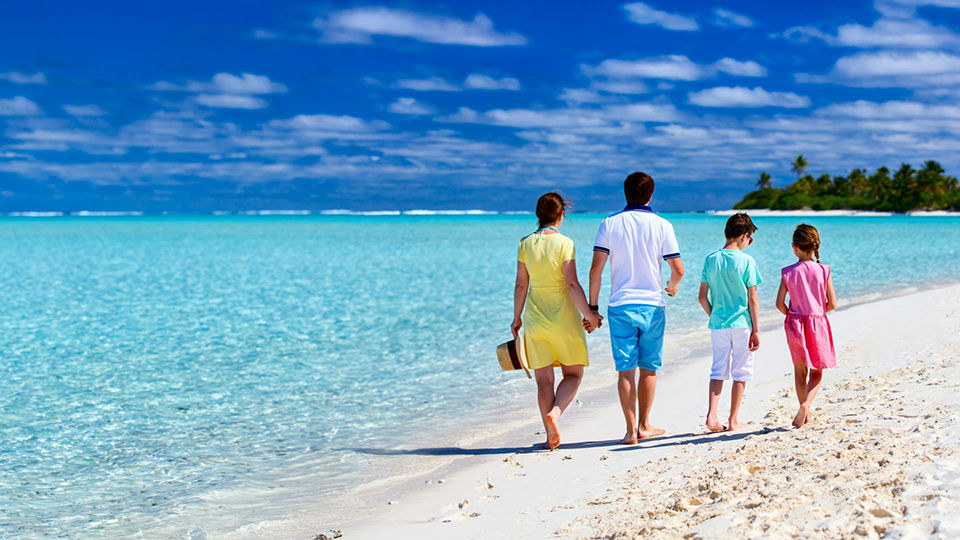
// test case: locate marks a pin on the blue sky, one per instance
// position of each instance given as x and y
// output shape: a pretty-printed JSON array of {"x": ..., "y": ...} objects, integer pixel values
[{"x": 199, "y": 106}]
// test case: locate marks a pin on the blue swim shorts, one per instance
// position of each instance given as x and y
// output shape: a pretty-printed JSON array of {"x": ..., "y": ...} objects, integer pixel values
[{"x": 636, "y": 336}]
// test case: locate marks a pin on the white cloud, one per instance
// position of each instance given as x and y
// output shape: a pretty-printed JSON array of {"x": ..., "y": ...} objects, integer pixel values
[
  {"x": 18, "y": 106},
  {"x": 17, "y": 77},
  {"x": 406, "y": 105},
  {"x": 643, "y": 112},
  {"x": 426, "y": 85},
  {"x": 725, "y": 17},
  {"x": 230, "y": 101},
  {"x": 477, "y": 81},
  {"x": 747, "y": 68},
  {"x": 621, "y": 87},
  {"x": 226, "y": 83},
  {"x": 360, "y": 24},
  {"x": 573, "y": 117},
  {"x": 673, "y": 67},
  {"x": 331, "y": 123},
  {"x": 739, "y": 96},
  {"x": 581, "y": 95},
  {"x": 899, "y": 68},
  {"x": 806, "y": 33},
  {"x": 641, "y": 13},
  {"x": 84, "y": 110},
  {"x": 898, "y": 33},
  {"x": 899, "y": 110}
]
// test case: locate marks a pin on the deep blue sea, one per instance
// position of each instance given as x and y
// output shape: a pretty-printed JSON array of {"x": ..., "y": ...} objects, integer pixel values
[{"x": 176, "y": 376}]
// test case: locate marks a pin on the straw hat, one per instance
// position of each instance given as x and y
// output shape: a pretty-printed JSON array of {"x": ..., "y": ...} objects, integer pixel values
[{"x": 513, "y": 355}]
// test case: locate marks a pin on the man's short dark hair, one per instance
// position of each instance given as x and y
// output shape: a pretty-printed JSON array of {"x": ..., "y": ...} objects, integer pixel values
[
  {"x": 739, "y": 224},
  {"x": 638, "y": 188}
]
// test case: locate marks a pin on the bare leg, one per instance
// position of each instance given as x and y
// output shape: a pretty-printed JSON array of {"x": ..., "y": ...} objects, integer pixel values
[
  {"x": 567, "y": 389},
  {"x": 546, "y": 399},
  {"x": 800, "y": 381},
  {"x": 810, "y": 391},
  {"x": 716, "y": 386},
  {"x": 646, "y": 388},
  {"x": 627, "y": 388},
  {"x": 736, "y": 396}
]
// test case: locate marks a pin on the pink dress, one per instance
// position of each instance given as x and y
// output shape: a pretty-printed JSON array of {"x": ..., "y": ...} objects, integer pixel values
[{"x": 808, "y": 331}]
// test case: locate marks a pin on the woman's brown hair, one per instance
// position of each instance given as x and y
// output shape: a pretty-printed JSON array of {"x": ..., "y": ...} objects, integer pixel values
[
  {"x": 550, "y": 206},
  {"x": 806, "y": 238}
]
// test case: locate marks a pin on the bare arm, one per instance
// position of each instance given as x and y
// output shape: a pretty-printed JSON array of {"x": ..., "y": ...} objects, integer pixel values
[
  {"x": 782, "y": 299},
  {"x": 676, "y": 274},
  {"x": 576, "y": 292},
  {"x": 704, "y": 299},
  {"x": 753, "y": 302},
  {"x": 831, "y": 296},
  {"x": 519, "y": 298},
  {"x": 596, "y": 276}
]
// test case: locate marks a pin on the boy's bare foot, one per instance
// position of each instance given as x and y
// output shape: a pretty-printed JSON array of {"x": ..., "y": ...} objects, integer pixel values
[
  {"x": 801, "y": 418},
  {"x": 629, "y": 438},
  {"x": 650, "y": 432},
  {"x": 735, "y": 425},
  {"x": 553, "y": 432},
  {"x": 714, "y": 425}
]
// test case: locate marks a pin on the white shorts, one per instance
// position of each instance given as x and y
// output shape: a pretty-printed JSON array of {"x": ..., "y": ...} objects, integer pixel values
[{"x": 731, "y": 354}]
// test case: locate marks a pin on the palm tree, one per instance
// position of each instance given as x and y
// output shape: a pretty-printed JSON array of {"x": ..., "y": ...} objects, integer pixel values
[
  {"x": 764, "y": 181},
  {"x": 799, "y": 165}
]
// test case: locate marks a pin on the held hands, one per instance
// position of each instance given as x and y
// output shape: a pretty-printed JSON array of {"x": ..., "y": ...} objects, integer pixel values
[
  {"x": 754, "y": 341},
  {"x": 515, "y": 327},
  {"x": 591, "y": 323}
]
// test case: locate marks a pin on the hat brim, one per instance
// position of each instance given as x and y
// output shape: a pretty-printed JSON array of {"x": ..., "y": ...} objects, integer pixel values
[{"x": 522, "y": 353}]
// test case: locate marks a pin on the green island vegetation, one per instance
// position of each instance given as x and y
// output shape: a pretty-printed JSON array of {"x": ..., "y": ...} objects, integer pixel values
[{"x": 907, "y": 189}]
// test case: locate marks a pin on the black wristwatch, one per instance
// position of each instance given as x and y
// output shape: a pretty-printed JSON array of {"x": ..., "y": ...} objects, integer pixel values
[{"x": 595, "y": 308}]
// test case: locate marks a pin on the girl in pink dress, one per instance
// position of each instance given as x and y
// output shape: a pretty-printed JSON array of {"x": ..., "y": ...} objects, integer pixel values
[{"x": 808, "y": 331}]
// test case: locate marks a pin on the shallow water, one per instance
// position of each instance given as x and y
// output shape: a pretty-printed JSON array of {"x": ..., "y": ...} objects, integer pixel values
[{"x": 159, "y": 368}]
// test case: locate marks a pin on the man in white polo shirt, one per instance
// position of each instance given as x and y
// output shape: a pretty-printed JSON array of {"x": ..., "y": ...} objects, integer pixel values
[{"x": 636, "y": 241}]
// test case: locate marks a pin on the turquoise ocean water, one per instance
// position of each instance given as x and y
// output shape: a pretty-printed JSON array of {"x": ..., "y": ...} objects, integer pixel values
[{"x": 159, "y": 369}]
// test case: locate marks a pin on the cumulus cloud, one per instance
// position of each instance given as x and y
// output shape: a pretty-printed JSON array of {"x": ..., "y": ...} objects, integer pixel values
[
  {"x": 406, "y": 105},
  {"x": 889, "y": 110},
  {"x": 887, "y": 33},
  {"x": 739, "y": 96},
  {"x": 673, "y": 67},
  {"x": 329, "y": 123},
  {"x": 898, "y": 68},
  {"x": 17, "y": 77},
  {"x": 477, "y": 81},
  {"x": 84, "y": 110},
  {"x": 361, "y": 24},
  {"x": 621, "y": 87},
  {"x": 474, "y": 81},
  {"x": 225, "y": 83},
  {"x": 230, "y": 101},
  {"x": 18, "y": 106},
  {"x": 426, "y": 85},
  {"x": 725, "y": 17},
  {"x": 572, "y": 117},
  {"x": 641, "y": 13}
]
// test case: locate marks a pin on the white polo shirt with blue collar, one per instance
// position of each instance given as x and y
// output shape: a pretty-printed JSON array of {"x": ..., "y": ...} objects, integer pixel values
[{"x": 637, "y": 242}]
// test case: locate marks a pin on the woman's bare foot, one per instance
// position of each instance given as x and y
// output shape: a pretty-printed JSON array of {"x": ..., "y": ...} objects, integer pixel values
[
  {"x": 714, "y": 425},
  {"x": 629, "y": 438},
  {"x": 801, "y": 418},
  {"x": 553, "y": 431},
  {"x": 650, "y": 432},
  {"x": 735, "y": 425}
]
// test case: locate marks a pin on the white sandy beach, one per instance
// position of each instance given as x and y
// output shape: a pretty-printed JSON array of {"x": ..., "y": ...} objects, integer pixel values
[{"x": 879, "y": 458}]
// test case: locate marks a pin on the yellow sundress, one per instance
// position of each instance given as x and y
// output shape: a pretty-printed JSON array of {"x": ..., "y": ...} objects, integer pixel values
[{"x": 553, "y": 327}]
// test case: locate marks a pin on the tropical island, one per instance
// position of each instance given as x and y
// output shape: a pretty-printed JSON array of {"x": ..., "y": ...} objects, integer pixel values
[{"x": 907, "y": 189}]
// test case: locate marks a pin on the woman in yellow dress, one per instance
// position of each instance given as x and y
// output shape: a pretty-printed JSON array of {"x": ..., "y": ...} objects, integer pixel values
[{"x": 553, "y": 327}]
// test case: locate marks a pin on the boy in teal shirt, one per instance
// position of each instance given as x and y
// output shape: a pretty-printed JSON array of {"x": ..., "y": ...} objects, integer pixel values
[{"x": 728, "y": 293}]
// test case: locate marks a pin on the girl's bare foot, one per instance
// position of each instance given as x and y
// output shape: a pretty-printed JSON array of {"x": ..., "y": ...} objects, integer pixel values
[
  {"x": 801, "y": 418},
  {"x": 808, "y": 419},
  {"x": 714, "y": 425},
  {"x": 629, "y": 438},
  {"x": 553, "y": 432},
  {"x": 650, "y": 432},
  {"x": 735, "y": 425}
]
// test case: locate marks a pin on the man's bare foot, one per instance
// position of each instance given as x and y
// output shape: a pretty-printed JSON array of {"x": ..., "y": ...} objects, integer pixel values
[
  {"x": 553, "y": 432},
  {"x": 735, "y": 425},
  {"x": 801, "y": 418},
  {"x": 629, "y": 438},
  {"x": 650, "y": 432},
  {"x": 714, "y": 425}
]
